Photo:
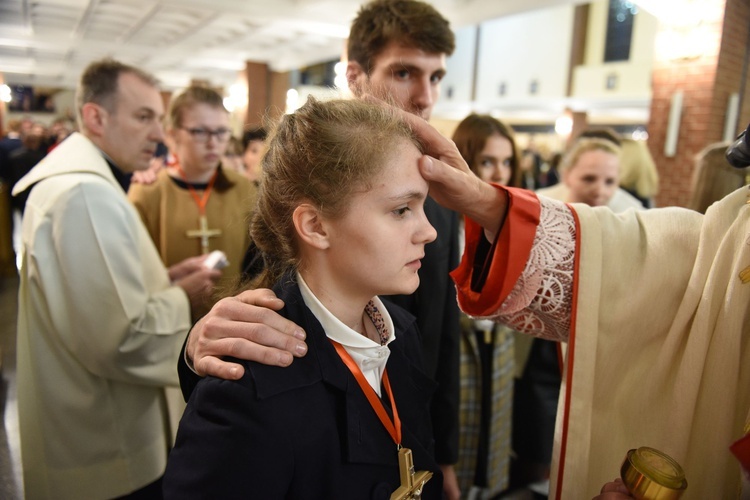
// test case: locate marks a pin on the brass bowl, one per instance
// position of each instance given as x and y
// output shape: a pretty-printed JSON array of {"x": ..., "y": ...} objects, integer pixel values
[{"x": 650, "y": 474}]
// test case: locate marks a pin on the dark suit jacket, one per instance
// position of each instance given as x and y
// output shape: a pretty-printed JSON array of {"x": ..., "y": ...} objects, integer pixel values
[{"x": 306, "y": 431}]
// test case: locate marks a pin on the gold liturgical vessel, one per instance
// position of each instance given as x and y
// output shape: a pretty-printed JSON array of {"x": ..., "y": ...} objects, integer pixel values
[{"x": 650, "y": 474}]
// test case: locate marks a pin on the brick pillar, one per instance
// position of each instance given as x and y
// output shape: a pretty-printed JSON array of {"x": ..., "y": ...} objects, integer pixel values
[
  {"x": 266, "y": 91},
  {"x": 706, "y": 81},
  {"x": 257, "y": 92},
  {"x": 580, "y": 123},
  {"x": 277, "y": 98}
]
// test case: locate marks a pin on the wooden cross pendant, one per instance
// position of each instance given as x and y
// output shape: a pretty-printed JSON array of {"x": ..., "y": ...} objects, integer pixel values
[
  {"x": 411, "y": 482},
  {"x": 204, "y": 233}
]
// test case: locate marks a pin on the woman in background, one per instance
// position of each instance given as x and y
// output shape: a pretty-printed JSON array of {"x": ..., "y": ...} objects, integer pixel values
[
  {"x": 590, "y": 173},
  {"x": 232, "y": 157},
  {"x": 253, "y": 146},
  {"x": 487, "y": 364}
]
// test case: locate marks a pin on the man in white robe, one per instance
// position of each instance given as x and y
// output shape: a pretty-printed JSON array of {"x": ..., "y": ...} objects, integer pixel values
[{"x": 100, "y": 321}]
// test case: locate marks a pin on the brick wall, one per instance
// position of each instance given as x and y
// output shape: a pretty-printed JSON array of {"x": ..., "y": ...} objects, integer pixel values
[{"x": 706, "y": 82}]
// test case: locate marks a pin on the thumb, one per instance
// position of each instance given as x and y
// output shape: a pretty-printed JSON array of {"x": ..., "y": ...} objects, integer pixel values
[
  {"x": 262, "y": 297},
  {"x": 427, "y": 167}
]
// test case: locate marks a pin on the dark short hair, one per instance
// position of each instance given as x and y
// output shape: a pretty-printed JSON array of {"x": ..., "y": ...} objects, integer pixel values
[
  {"x": 253, "y": 134},
  {"x": 410, "y": 22},
  {"x": 98, "y": 83}
]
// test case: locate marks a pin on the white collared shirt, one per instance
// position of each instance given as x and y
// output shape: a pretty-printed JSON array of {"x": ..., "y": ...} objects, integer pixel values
[{"x": 369, "y": 355}]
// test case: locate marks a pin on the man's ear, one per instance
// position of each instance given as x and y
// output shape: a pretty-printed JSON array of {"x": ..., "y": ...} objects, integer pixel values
[
  {"x": 94, "y": 118},
  {"x": 356, "y": 77},
  {"x": 310, "y": 227}
]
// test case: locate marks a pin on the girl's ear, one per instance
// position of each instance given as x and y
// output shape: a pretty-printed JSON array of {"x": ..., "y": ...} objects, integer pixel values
[{"x": 309, "y": 226}]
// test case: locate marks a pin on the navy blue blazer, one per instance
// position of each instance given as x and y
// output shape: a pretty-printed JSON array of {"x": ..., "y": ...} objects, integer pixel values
[{"x": 306, "y": 431}]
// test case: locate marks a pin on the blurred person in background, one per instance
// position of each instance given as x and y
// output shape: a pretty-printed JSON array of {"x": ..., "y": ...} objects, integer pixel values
[
  {"x": 253, "y": 147},
  {"x": 58, "y": 131},
  {"x": 232, "y": 157},
  {"x": 638, "y": 174},
  {"x": 714, "y": 177},
  {"x": 487, "y": 355},
  {"x": 590, "y": 174},
  {"x": 22, "y": 160}
]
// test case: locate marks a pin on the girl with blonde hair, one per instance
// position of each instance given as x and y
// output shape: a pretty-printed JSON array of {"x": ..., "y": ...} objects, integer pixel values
[
  {"x": 590, "y": 173},
  {"x": 638, "y": 174}
]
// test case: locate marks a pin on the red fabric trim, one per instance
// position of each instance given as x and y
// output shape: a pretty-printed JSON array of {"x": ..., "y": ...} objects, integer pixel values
[
  {"x": 741, "y": 450},
  {"x": 508, "y": 261},
  {"x": 571, "y": 356}
]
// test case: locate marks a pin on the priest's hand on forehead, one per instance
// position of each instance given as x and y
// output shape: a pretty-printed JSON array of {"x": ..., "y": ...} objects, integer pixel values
[{"x": 452, "y": 183}]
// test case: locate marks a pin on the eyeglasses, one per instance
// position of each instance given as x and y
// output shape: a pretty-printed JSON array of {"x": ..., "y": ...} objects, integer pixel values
[{"x": 202, "y": 134}]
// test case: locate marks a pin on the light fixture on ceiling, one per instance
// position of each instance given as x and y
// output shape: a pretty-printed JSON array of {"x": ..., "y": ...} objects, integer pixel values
[
  {"x": 292, "y": 100},
  {"x": 564, "y": 124},
  {"x": 5, "y": 93},
  {"x": 237, "y": 97},
  {"x": 686, "y": 26},
  {"x": 340, "y": 79}
]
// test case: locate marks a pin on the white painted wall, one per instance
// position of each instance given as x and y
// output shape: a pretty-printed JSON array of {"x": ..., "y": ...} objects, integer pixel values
[
  {"x": 519, "y": 49},
  {"x": 457, "y": 84},
  {"x": 456, "y": 90},
  {"x": 633, "y": 77}
]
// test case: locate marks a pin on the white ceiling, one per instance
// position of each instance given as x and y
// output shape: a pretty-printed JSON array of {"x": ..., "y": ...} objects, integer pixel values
[{"x": 49, "y": 42}]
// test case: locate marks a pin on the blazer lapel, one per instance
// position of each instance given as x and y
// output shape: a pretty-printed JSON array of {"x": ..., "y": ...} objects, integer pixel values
[{"x": 364, "y": 438}]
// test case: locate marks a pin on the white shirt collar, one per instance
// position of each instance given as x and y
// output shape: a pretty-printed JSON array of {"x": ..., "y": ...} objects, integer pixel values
[{"x": 370, "y": 356}]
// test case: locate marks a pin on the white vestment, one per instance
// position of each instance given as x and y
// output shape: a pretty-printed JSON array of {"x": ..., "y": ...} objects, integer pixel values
[
  {"x": 659, "y": 340},
  {"x": 99, "y": 332}
]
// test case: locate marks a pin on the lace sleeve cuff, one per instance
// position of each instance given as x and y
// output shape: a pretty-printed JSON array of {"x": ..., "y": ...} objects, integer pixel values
[{"x": 541, "y": 301}]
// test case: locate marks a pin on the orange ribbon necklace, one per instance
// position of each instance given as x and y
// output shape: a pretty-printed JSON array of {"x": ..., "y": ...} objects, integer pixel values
[
  {"x": 412, "y": 481},
  {"x": 203, "y": 232},
  {"x": 201, "y": 201},
  {"x": 392, "y": 426}
]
